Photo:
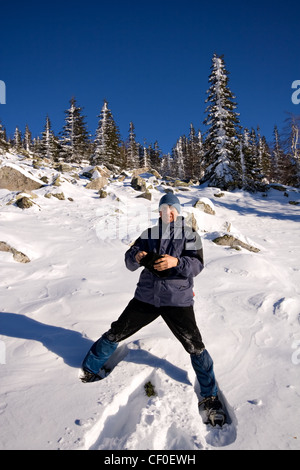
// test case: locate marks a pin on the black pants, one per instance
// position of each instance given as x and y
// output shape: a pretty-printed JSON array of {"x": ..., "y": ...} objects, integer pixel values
[{"x": 180, "y": 320}]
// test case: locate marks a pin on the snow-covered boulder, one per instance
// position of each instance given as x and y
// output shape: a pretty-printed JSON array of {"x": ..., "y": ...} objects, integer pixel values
[
  {"x": 205, "y": 205},
  {"x": 17, "y": 255},
  {"x": 233, "y": 242},
  {"x": 15, "y": 178},
  {"x": 98, "y": 183}
]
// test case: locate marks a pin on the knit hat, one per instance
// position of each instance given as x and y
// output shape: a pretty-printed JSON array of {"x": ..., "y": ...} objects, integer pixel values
[{"x": 171, "y": 200}]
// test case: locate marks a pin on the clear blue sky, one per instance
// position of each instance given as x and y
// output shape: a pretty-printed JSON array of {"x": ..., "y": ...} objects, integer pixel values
[{"x": 149, "y": 59}]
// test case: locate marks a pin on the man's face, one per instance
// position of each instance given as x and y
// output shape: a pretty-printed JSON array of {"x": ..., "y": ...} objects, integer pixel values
[{"x": 168, "y": 214}]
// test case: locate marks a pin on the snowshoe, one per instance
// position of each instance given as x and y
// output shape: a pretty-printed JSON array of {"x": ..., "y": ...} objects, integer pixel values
[
  {"x": 91, "y": 377},
  {"x": 215, "y": 415}
]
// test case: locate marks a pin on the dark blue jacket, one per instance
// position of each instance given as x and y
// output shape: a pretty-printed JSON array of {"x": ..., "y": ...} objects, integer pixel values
[{"x": 177, "y": 240}]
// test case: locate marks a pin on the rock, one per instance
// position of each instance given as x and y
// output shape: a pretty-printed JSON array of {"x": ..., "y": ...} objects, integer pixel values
[
  {"x": 63, "y": 167},
  {"x": 17, "y": 255},
  {"x": 101, "y": 171},
  {"x": 204, "y": 206},
  {"x": 179, "y": 183},
  {"x": 155, "y": 173},
  {"x": 57, "y": 181},
  {"x": 102, "y": 193},
  {"x": 59, "y": 196},
  {"x": 17, "y": 179},
  {"x": 139, "y": 171},
  {"x": 98, "y": 183},
  {"x": 192, "y": 222},
  {"x": 24, "y": 202},
  {"x": 138, "y": 183},
  {"x": 146, "y": 195},
  {"x": 233, "y": 242}
]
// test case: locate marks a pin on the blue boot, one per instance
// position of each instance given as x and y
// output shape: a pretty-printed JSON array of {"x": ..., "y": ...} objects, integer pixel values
[
  {"x": 203, "y": 367},
  {"x": 97, "y": 356}
]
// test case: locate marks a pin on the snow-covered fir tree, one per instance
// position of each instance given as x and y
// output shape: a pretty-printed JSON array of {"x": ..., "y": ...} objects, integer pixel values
[
  {"x": 132, "y": 150},
  {"x": 292, "y": 148},
  {"x": 75, "y": 142},
  {"x": 3, "y": 142},
  {"x": 154, "y": 153},
  {"x": 49, "y": 146},
  {"x": 17, "y": 141},
  {"x": 244, "y": 149},
  {"x": 27, "y": 139},
  {"x": 254, "y": 173},
  {"x": 264, "y": 157},
  {"x": 108, "y": 141},
  {"x": 194, "y": 158},
  {"x": 277, "y": 153},
  {"x": 179, "y": 153},
  {"x": 222, "y": 156},
  {"x": 145, "y": 158},
  {"x": 166, "y": 165}
]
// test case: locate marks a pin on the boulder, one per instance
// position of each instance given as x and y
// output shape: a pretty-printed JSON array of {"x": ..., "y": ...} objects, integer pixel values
[
  {"x": 59, "y": 196},
  {"x": 138, "y": 183},
  {"x": 16, "y": 179},
  {"x": 205, "y": 206},
  {"x": 146, "y": 195},
  {"x": 102, "y": 194},
  {"x": 24, "y": 202},
  {"x": 98, "y": 183},
  {"x": 17, "y": 255},
  {"x": 233, "y": 242}
]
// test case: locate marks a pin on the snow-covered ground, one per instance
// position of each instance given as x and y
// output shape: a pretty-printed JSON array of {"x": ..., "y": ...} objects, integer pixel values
[{"x": 51, "y": 310}]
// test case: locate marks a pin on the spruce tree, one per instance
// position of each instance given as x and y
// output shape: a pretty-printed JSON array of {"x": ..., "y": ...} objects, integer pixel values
[
  {"x": 194, "y": 157},
  {"x": 145, "y": 158},
  {"x": 132, "y": 150},
  {"x": 155, "y": 156},
  {"x": 282, "y": 166},
  {"x": 253, "y": 161},
  {"x": 17, "y": 141},
  {"x": 3, "y": 142},
  {"x": 75, "y": 140},
  {"x": 108, "y": 141},
  {"x": 292, "y": 149},
  {"x": 49, "y": 146},
  {"x": 179, "y": 154},
  {"x": 264, "y": 157},
  {"x": 276, "y": 156},
  {"x": 27, "y": 139},
  {"x": 222, "y": 157},
  {"x": 166, "y": 165}
]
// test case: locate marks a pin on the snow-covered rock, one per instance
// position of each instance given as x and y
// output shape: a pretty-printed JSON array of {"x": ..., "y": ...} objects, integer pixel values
[{"x": 15, "y": 178}]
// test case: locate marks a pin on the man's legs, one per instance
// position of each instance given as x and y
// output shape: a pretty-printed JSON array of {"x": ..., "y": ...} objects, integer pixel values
[
  {"x": 181, "y": 321},
  {"x": 135, "y": 316}
]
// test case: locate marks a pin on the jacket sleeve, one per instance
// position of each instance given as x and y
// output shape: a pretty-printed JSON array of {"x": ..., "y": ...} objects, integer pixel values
[
  {"x": 191, "y": 261},
  {"x": 139, "y": 245}
]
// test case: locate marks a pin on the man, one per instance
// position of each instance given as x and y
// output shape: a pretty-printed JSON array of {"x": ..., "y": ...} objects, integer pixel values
[{"x": 172, "y": 256}]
